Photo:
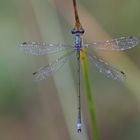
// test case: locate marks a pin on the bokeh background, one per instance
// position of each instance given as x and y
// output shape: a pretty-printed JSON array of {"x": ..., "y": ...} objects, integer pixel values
[{"x": 48, "y": 110}]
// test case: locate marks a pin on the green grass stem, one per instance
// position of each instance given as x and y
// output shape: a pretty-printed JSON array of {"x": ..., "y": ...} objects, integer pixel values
[{"x": 90, "y": 102}]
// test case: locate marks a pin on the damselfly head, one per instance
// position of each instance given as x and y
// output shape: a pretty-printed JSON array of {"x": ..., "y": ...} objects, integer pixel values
[{"x": 80, "y": 30}]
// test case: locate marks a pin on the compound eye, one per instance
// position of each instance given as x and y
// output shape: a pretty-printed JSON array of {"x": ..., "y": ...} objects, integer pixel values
[
  {"x": 73, "y": 31},
  {"x": 81, "y": 30}
]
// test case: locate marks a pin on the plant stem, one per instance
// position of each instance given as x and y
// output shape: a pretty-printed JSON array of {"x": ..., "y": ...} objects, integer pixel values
[{"x": 90, "y": 102}]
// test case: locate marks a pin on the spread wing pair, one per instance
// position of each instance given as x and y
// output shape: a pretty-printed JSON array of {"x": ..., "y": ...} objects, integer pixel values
[{"x": 118, "y": 44}]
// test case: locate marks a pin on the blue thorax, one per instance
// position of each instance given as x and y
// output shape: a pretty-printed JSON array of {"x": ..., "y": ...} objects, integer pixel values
[{"x": 77, "y": 33}]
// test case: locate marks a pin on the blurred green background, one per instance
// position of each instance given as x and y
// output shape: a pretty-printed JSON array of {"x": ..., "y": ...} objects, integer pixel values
[{"x": 48, "y": 110}]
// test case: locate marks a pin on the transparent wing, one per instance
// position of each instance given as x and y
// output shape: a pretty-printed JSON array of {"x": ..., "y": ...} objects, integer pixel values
[
  {"x": 43, "y": 72},
  {"x": 36, "y": 48},
  {"x": 107, "y": 69},
  {"x": 118, "y": 44}
]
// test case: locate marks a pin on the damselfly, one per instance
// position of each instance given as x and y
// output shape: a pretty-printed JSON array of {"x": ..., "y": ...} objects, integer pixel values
[
  {"x": 118, "y": 44},
  {"x": 42, "y": 73}
]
